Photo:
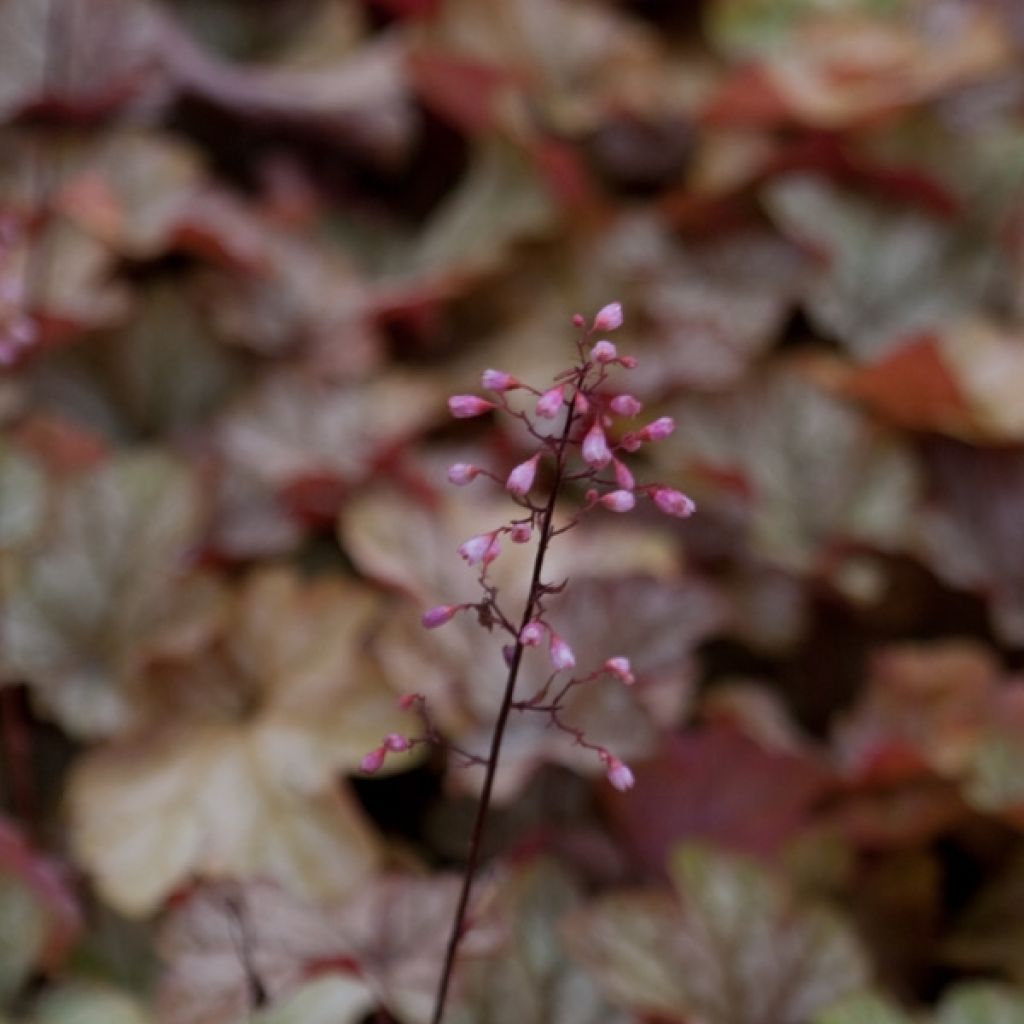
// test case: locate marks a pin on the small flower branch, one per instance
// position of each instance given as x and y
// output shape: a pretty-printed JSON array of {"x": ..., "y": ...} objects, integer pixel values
[
  {"x": 483, "y": 807},
  {"x": 578, "y": 393}
]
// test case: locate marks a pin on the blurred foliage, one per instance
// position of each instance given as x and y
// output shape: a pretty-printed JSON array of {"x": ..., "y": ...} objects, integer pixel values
[{"x": 247, "y": 250}]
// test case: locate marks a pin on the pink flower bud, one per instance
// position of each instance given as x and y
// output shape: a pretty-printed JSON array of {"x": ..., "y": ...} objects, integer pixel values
[
  {"x": 619, "y": 775},
  {"x": 561, "y": 653},
  {"x": 577, "y": 320},
  {"x": 531, "y": 634},
  {"x": 673, "y": 503},
  {"x": 406, "y": 702},
  {"x": 658, "y": 430},
  {"x": 604, "y": 352},
  {"x": 627, "y": 362},
  {"x": 373, "y": 760},
  {"x": 549, "y": 404},
  {"x": 623, "y": 477},
  {"x": 595, "y": 448},
  {"x": 483, "y": 548},
  {"x": 608, "y": 317},
  {"x": 439, "y": 615},
  {"x": 520, "y": 480},
  {"x": 630, "y": 442},
  {"x": 582, "y": 405},
  {"x": 464, "y": 407},
  {"x": 618, "y": 501},
  {"x": 520, "y": 533},
  {"x": 625, "y": 405},
  {"x": 621, "y": 669},
  {"x": 498, "y": 380},
  {"x": 396, "y": 743},
  {"x": 462, "y": 473}
]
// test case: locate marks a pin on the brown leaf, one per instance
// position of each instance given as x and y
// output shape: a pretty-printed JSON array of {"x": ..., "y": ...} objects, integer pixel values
[
  {"x": 921, "y": 703},
  {"x": 236, "y": 775},
  {"x": 836, "y": 68}
]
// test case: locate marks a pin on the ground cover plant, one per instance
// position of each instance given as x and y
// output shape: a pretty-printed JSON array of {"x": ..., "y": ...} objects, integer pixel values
[{"x": 253, "y": 258}]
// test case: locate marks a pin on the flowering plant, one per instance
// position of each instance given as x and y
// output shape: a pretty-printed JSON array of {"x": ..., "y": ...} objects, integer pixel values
[{"x": 583, "y": 451}]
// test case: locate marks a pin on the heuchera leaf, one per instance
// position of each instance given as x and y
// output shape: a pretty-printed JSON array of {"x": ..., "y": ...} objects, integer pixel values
[
  {"x": 110, "y": 584},
  {"x": 968, "y": 534},
  {"x": 716, "y": 786},
  {"x": 736, "y": 948},
  {"x": 888, "y": 273},
  {"x": 529, "y": 978},
  {"x": 235, "y": 774},
  {"x": 231, "y": 946},
  {"x": 808, "y": 471}
]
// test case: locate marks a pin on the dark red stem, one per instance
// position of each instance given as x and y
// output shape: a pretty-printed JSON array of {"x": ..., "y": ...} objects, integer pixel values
[{"x": 499, "y": 726}]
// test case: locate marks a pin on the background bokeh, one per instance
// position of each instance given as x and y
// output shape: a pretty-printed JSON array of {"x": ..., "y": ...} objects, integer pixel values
[{"x": 247, "y": 249}]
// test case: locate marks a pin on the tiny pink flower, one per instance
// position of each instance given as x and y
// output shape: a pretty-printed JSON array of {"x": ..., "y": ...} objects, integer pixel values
[
  {"x": 520, "y": 533},
  {"x": 621, "y": 669},
  {"x": 627, "y": 362},
  {"x": 623, "y": 477},
  {"x": 498, "y": 380},
  {"x": 408, "y": 700},
  {"x": 619, "y": 775},
  {"x": 595, "y": 448},
  {"x": 582, "y": 405},
  {"x": 625, "y": 405},
  {"x": 673, "y": 503},
  {"x": 464, "y": 407},
  {"x": 658, "y": 430},
  {"x": 396, "y": 743},
  {"x": 549, "y": 404},
  {"x": 605, "y": 352},
  {"x": 520, "y": 480},
  {"x": 618, "y": 501},
  {"x": 608, "y": 317},
  {"x": 439, "y": 615},
  {"x": 373, "y": 760},
  {"x": 561, "y": 653},
  {"x": 531, "y": 634},
  {"x": 577, "y": 320},
  {"x": 484, "y": 548},
  {"x": 462, "y": 473},
  {"x": 630, "y": 442}
]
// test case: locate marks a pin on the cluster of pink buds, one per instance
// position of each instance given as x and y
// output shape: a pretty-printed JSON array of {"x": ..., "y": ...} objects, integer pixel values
[
  {"x": 393, "y": 743},
  {"x": 587, "y": 450}
]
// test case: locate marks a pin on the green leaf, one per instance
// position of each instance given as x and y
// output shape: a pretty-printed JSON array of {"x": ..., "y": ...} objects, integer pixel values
[
  {"x": 22, "y": 934},
  {"x": 737, "y": 948},
  {"x": 86, "y": 1004},
  {"x": 530, "y": 980},
  {"x": 109, "y": 581},
  {"x": 981, "y": 1003},
  {"x": 863, "y": 1008}
]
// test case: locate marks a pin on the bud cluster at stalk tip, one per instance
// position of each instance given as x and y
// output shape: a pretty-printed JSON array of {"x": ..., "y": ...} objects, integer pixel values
[{"x": 578, "y": 439}]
